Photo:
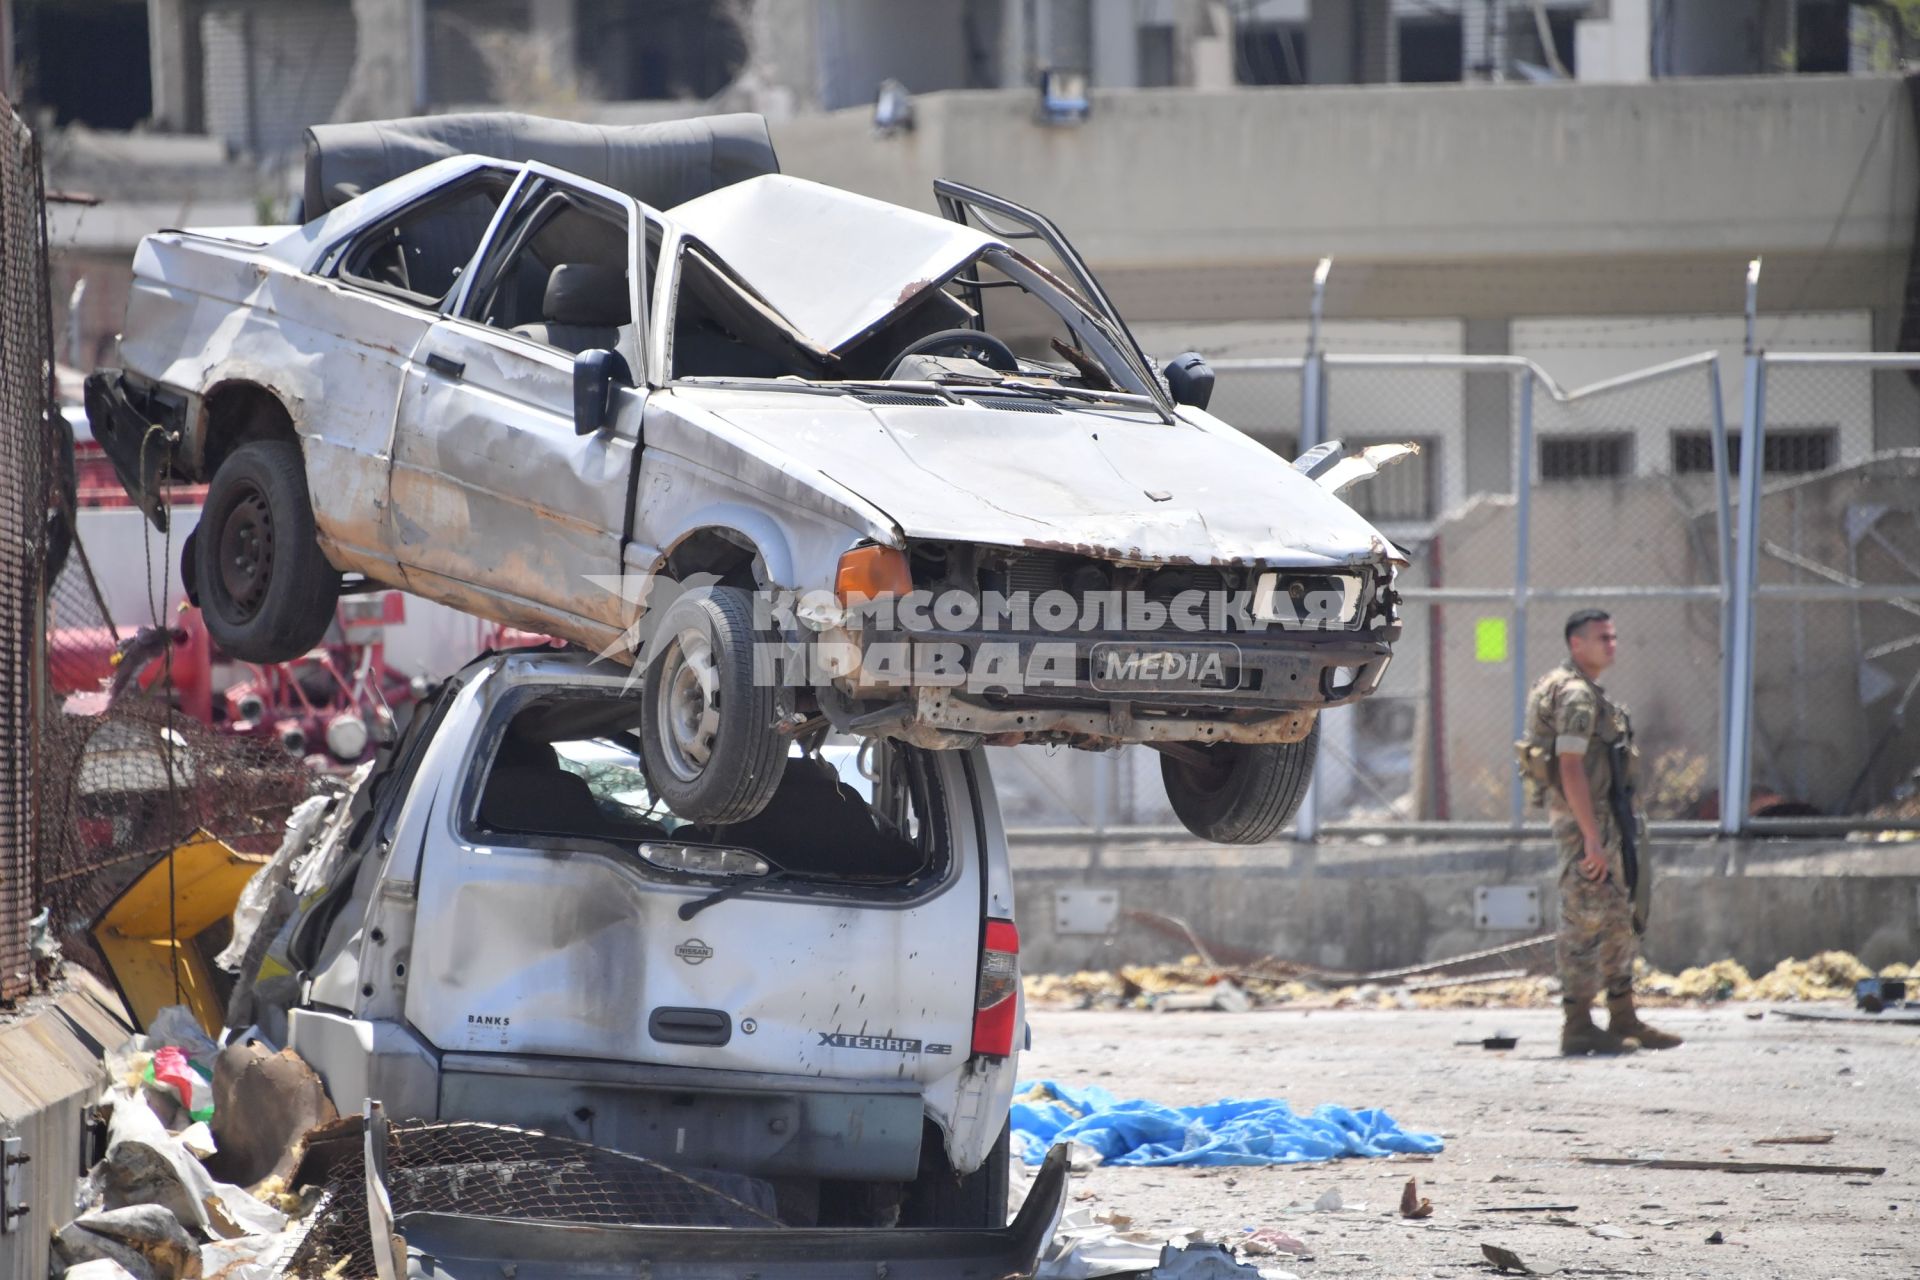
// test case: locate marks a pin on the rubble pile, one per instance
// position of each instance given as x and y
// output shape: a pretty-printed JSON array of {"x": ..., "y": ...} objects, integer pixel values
[
  {"x": 1829, "y": 975},
  {"x": 188, "y": 1186}
]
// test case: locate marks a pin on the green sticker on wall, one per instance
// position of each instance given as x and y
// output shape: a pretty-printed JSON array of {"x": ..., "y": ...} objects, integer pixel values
[{"x": 1490, "y": 640}]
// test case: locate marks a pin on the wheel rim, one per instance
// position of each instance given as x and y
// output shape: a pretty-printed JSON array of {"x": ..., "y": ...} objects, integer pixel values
[
  {"x": 688, "y": 717},
  {"x": 246, "y": 551}
]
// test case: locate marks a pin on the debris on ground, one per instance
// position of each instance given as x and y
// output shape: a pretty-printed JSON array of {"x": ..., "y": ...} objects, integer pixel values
[
  {"x": 1246, "y": 1131},
  {"x": 1271, "y": 1241},
  {"x": 1505, "y": 1259},
  {"x": 1412, "y": 1203},
  {"x": 1733, "y": 1166},
  {"x": 1192, "y": 983}
]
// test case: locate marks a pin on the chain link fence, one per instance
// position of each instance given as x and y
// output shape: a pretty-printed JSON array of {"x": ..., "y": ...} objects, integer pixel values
[
  {"x": 26, "y": 399},
  {"x": 106, "y": 762},
  {"x": 1833, "y": 655}
]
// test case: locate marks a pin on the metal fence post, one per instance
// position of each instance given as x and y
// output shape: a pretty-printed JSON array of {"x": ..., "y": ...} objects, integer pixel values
[
  {"x": 1723, "y": 552},
  {"x": 1313, "y": 431},
  {"x": 1523, "y": 519},
  {"x": 1736, "y": 783}
]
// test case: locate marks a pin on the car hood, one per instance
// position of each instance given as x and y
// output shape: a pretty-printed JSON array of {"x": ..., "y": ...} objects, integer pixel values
[{"x": 1111, "y": 484}]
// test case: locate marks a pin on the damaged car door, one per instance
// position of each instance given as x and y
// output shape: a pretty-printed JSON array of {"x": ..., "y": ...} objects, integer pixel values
[{"x": 501, "y": 505}]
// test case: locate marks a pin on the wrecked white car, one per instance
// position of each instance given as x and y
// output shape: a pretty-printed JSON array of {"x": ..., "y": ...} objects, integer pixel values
[
  {"x": 507, "y": 924},
  {"x": 809, "y": 460}
]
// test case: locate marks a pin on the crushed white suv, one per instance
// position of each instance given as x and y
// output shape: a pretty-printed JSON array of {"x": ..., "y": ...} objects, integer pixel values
[
  {"x": 505, "y": 924},
  {"x": 812, "y": 461}
]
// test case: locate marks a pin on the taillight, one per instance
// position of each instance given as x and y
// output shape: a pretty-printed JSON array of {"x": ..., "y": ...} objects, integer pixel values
[{"x": 997, "y": 1006}]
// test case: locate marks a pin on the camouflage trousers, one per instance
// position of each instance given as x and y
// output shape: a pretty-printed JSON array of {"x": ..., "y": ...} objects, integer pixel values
[{"x": 1597, "y": 942}]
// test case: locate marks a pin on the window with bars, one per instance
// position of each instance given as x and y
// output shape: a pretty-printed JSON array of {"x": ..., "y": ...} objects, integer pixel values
[
  {"x": 1785, "y": 451},
  {"x": 1590, "y": 457}
]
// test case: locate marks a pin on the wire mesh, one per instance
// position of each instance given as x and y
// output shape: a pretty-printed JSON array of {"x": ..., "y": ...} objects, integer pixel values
[
  {"x": 498, "y": 1171},
  {"x": 26, "y": 382},
  {"x": 1836, "y": 683}
]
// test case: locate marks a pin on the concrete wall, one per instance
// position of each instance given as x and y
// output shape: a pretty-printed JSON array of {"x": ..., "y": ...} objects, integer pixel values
[
  {"x": 50, "y": 1073},
  {"x": 1360, "y": 908},
  {"x": 1254, "y": 176}
]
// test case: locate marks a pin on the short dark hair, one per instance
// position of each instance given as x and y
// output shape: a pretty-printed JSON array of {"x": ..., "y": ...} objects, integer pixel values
[{"x": 1581, "y": 617}]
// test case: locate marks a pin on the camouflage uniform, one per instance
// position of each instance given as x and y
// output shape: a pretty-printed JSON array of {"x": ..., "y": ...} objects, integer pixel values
[{"x": 1599, "y": 921}]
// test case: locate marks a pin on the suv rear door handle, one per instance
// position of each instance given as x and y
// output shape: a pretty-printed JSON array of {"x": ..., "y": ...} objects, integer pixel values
[
  {"x": 445, "y": 364},
  {"x": 690, "y": 1026}
]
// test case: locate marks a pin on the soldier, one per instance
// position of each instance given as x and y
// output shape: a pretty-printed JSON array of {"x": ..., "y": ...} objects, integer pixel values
[{"x": 1579, "y": 754}]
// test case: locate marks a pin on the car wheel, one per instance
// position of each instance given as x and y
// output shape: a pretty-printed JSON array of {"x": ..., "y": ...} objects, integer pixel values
[
  {"x": 1240, "y": 793},
  {"x": 707, "y": 735},
  {"x": 939, "y": 1197},
  {"x": 266, "y": 590}
]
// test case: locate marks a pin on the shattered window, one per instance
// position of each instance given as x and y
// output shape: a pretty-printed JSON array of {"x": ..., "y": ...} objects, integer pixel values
[
  {"x": 420, "y": 253},
  {"x": 560, "y": 774}
]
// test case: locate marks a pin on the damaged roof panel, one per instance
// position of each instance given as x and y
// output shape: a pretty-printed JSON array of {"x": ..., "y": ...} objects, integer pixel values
[{"x": 830, "y": 261}]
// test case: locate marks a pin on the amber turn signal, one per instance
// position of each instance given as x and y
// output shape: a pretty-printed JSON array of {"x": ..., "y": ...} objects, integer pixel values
[{"x": 872, "y": 572}]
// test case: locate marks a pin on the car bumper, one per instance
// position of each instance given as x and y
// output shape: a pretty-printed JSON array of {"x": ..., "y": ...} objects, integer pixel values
[{"x": 957, "y": 688}]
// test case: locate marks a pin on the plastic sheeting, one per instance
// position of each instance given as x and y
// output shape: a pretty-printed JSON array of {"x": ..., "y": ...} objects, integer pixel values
[{"x": 1232, "y": 1131}]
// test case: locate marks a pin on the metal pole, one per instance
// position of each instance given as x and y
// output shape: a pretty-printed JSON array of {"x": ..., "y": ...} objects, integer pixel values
[
  {"x": 1723, "y": 549},
  {"x": 1313, "y": 431},
  {"x": 1736, "y": 785},
  {"x": 1313, "y": 372},
  {"x": 1523, "y": 520}
]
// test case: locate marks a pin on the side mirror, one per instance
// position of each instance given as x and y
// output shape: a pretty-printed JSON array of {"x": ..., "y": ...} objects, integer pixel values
[
  {"x": 595, "y": 375},
  {"x": 1190, "y": 378}
]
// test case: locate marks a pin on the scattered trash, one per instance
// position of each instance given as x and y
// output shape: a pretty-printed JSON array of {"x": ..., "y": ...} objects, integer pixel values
[
  {"x": 1607, "y": 1231},
  {"x": 1498, "y": 1041},
  {"x": 1716, "y": 1238},
  {"x": 1248, "y": 1131},
  {"x": 1268, "y": 1241},
  {"x": 1329, "y": 1201},
  {"x": 1530, "y": 1208},
  {"x": 145, "y": 1239},
  {"x": 1412, "y": 1203},
  {"x": 1505, "y": 1259},
  {"x": 1085, "y": 1247},
  {"x": 1202, "y": 1261},
  {"x": 264, "y": 1105},
  {"x": 1732, "y": 1166},
  {"x": 1795, "y": 1140},
  {"x": 1830, "y": 975}
]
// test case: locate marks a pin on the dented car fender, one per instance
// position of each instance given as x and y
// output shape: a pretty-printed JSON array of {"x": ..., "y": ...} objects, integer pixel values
[{"x": 699, "y": 472}]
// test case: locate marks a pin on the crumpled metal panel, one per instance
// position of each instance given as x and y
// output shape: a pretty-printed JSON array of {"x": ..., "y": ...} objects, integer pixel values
[
  {"x": 1076, "y": 481},
  {"x": 832, "y": 262}
]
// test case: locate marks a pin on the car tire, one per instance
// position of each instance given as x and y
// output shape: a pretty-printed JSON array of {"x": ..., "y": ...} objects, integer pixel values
[
  {"x": 939, "y": 1197},
  {"x": 707, "y": 728},
  {"x": 1244, "y": 792},
  {"x": 265, "y": 588}
]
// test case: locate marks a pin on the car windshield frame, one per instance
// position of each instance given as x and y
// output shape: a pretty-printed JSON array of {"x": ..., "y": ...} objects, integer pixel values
[{"x": 1134, "y": 385}]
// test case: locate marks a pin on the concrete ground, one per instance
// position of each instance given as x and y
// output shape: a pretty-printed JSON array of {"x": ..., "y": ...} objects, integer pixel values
[{"x": 1515, "y": 1123}]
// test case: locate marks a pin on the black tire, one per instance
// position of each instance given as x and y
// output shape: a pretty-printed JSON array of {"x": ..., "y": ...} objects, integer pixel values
[
  {"x": 266, "y": 590},
  {"x": 1244, "y": 792},
  {"x": 939, "y": 1197},
  {"x": 709, "y": 748}
]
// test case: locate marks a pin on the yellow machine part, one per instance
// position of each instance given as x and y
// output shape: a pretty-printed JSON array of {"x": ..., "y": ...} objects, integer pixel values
[{"x": 142, "y": 940}]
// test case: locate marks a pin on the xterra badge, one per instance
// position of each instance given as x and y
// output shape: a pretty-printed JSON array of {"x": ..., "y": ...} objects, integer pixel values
[
  {"x": 694, "y": 951},
  {"x": 885, "y": 1044}
]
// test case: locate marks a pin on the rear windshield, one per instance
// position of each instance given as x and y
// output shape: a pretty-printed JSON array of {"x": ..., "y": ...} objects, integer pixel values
[{"x": 566, "y": 772}]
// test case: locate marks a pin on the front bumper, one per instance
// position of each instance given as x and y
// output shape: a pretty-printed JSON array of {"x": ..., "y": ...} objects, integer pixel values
[
  {"x": 131, "y": 426},
  {"x": 946, "y": 689}
]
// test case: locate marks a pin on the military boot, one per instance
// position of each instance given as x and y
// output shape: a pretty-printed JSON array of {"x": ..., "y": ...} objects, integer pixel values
[
  {"x": 1579, "y": 1035},
  {"x": 1623, "y": 1021}
]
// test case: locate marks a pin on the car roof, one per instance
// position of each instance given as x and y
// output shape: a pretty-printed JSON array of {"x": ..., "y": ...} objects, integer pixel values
[{"x": 831, "y": 262}]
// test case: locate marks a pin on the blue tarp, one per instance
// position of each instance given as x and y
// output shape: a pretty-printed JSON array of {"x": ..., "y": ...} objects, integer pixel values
[{"x": 1231, "y": 1131}]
